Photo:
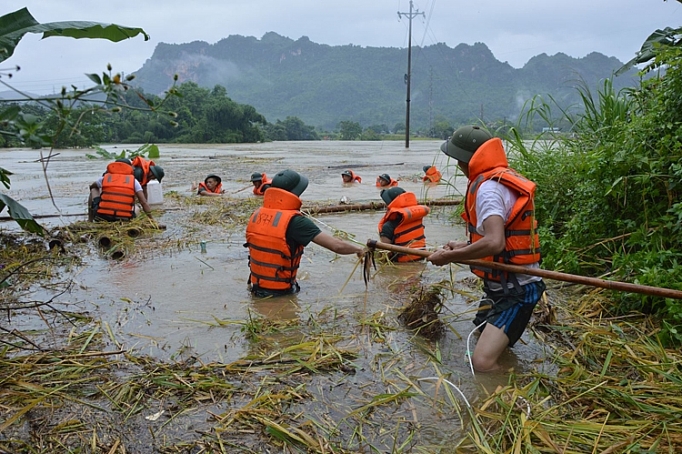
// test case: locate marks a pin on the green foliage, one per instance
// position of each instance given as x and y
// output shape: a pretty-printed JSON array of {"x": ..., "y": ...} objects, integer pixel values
[
  {"x": 441, "y": 129},
  {"x": 369, "y": 134},
  {"x": 608, "y": 193},
  {"x": 292, "y": 128},
  {"x": 101, "y": 153},
  {"x": 20, "y": 214},
  {"x": 350, "y": 130},
  {"x": 15, "y": 25},
  {"x": 149, "y": 151},
  {"x": 196, "y": 115}
]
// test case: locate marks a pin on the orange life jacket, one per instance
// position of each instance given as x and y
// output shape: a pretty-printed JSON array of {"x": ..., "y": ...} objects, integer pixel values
[
  {"x": 410, "y": 230},
  {"x": 273, "y": 262},
  {"x": 522, "y": 245},
  {"x": 389, "y": 185},
  {"x": 265, "y": 183},
  {"x": 432, "y": 174},
  {"x": 217, "y": 190},
  {"x": 144, "y": 164},
  {"x": 354, "y": 177},
  {"x": 117, "y": 199}
]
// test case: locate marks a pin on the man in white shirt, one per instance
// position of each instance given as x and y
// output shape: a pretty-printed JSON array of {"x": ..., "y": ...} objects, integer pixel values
[{"x": 501, "y": 223}]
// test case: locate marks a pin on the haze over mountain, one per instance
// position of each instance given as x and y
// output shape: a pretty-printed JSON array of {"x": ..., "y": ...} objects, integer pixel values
[{"x": 323, "y": 84}]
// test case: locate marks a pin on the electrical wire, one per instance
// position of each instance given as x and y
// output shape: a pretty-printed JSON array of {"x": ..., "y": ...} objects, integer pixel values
[
  {"x": 471, "y": 364},
  {"x": 449, "y": 383}
]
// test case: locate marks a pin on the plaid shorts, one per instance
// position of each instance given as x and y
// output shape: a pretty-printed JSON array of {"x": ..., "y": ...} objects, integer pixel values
[{"x": 510, "y": 311}]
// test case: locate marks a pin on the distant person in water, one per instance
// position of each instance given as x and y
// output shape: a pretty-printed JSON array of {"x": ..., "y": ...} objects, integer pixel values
[
  {"x": 385, "y": 181},
  {"x": 112, "y": 196},
  {"x": 349, "y": 176},
  {"x": 260, "y": 183},
  {"x": 212, "y": 186},
  {"x": 431, "y": 174}
]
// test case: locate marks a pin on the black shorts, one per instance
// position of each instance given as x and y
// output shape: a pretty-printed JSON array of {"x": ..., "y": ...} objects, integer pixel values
[
  {"x": 264, "y": 293},
  {"x": 510, "y": 311}
]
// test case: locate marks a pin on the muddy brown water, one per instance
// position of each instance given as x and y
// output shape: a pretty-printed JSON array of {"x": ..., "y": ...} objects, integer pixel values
[{"x": 175, "y": 303}]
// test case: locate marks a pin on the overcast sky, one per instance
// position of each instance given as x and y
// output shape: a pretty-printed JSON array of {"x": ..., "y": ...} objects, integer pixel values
[{"x": 514, "y": 31}]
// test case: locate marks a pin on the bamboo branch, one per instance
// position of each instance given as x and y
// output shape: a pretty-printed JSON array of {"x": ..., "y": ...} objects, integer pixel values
[
  {"x": 371, "y": 206},
  {"x": 591, "y": 281}
]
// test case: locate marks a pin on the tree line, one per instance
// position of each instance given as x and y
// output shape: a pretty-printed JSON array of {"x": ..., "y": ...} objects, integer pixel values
[{"x": 195, "y": 115}]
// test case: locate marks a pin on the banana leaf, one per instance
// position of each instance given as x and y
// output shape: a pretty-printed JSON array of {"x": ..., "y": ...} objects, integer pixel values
[
  {"x": 14, "y": 26},
  {"x": 20, "y": 214}
]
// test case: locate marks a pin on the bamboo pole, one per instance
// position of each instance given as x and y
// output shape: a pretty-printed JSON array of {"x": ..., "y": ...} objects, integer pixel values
[
  {"x": 370, "y": 206},
  {"x": 591, "y": 281},
  {"x": 240, "y": 190},
  {"x": 354, "y": 166},
  {"x": 44, "y": 216}
]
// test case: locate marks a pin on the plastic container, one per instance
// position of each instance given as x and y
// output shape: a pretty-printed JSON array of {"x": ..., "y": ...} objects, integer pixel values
[{"x": 154, "y": 193}]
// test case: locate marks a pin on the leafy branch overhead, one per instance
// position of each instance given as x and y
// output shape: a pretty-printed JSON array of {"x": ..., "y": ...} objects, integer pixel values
[
  {"x": 15, "y": 25},
  {"x": 652, "y": 47}
]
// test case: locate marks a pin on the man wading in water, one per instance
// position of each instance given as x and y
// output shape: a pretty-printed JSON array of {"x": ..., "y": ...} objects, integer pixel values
[
  {"x": 277, "y": 233},
  {"x": 499, "y": 214}
]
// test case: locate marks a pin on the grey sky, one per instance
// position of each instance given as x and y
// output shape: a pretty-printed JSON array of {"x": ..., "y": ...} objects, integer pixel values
[{"x": 514, "y": 31}]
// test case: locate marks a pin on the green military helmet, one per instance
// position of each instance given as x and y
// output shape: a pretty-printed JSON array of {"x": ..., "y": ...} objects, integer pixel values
[
  {"x": 389, "y": 195},
  {"x": 158, "y": 172},
  {"x": 291, "y": 181},
  {"x": 464, "y": 142}
]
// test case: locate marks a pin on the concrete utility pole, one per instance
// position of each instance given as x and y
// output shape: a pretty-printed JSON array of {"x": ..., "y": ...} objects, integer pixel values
[{"x": 411, "y": 15}]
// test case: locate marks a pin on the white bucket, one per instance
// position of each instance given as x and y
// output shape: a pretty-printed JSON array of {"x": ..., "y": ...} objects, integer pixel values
[{"x": 154, "y": 193}]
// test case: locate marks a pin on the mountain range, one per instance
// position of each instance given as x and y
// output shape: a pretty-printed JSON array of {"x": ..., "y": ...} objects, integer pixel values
[{"x": 323, "y": 85}]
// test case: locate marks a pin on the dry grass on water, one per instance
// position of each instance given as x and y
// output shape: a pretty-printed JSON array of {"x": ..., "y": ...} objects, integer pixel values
[
  {"x": 421, "y": 313},
  {"x": 330, "y": 382}
]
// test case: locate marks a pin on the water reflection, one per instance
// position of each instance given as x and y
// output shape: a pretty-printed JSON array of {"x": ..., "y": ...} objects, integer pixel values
[{"x": 277, "y": 308}]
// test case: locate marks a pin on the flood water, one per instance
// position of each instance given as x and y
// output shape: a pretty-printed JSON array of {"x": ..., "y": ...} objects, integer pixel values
[{"x": 176, "y": 302}]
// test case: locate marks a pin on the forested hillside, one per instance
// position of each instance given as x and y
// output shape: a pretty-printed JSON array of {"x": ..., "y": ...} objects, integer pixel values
[{"x": 323, "y": 85}]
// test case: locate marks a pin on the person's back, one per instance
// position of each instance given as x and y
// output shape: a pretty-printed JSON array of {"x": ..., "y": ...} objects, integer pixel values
[
  {"x": 402, "y": 224},
  {"x": 273, "y": 259},
  {"x": 116, "y": 200},
  {"x": 277, "y": 234},
  {"x": 112, "y": 196}
]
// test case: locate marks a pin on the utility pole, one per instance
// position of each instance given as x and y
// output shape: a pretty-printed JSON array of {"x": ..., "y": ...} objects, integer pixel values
[{"x": 411, "y": 15}]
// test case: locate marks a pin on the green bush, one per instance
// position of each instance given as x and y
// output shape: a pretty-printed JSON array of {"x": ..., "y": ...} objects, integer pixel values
[{"x": 609, "y": 190}]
